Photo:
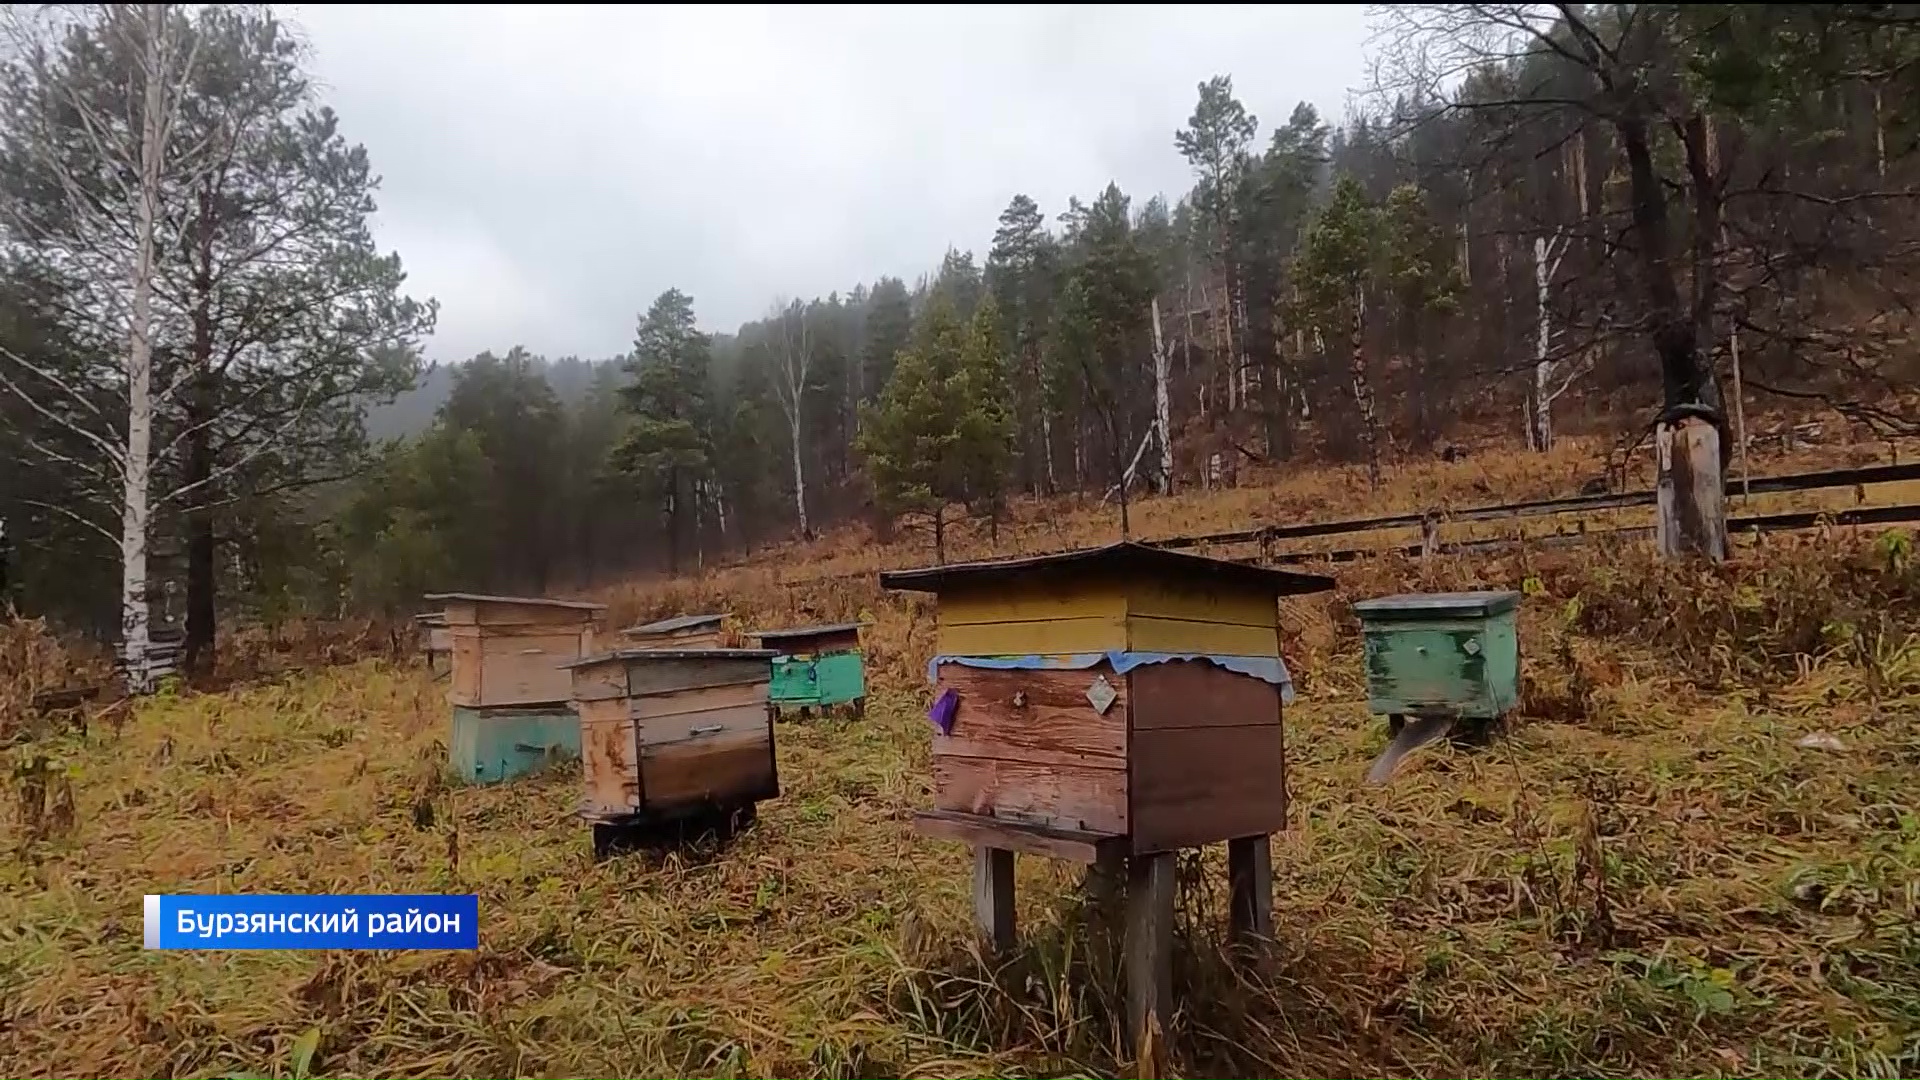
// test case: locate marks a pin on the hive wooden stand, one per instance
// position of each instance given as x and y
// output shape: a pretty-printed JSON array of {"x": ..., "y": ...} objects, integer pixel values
[{"x": 1111, "y": 707}]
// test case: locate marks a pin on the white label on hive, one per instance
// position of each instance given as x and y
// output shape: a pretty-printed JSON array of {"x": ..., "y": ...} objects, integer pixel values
[
  {"x": 1101, "y": 694},
  {"x": 1472, "y": 647}
]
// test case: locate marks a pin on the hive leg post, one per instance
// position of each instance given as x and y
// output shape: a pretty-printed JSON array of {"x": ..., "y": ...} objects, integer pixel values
[
  {"x": 1150, "y": 885},
  {"x": 1250, "y": 881},
  {"x": 993, "y": 896}
]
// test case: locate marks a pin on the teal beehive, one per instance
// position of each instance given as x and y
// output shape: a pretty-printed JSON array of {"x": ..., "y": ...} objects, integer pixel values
[
  {"x": 511, "y": 698},
  {"x": 1442, "y": 652},
  {"x": 1440, "y": 658},
  {"x": 817, "y": 666}
]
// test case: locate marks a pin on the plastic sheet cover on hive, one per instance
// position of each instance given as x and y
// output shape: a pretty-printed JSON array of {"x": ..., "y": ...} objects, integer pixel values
[{"x": 1268, "y": 669}]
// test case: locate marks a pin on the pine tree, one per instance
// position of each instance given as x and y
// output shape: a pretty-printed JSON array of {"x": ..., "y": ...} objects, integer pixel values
[
  {"x": 1337, "y": 268},
  {"x": 889, "y": 322},
  {"x": 667, "y": 446},
  {"x": 1020, "y": 279},
  {"x": 982, "y": 391},
  {"x": 942, "y": 431}
]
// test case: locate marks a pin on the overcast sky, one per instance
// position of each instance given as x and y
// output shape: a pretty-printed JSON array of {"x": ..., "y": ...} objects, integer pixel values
[{"x": 549, "y": 170}]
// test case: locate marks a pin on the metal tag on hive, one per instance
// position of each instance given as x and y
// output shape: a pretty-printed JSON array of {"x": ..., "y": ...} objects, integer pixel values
[{"x": 1101, "y": 694}]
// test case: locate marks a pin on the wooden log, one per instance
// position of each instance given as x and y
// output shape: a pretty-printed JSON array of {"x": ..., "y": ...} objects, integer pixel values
[
  {"x": 1690, "y": 495},
  {"x": 1150, "y": 890},
  {"x": 1250, "y": 885},
  {"x": 993, "y": 897}
]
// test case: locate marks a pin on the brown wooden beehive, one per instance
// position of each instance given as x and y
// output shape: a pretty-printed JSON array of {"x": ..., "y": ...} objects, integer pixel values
[
  {"x": 1124, "y": 698},
  {"x": 507, "y": 650},
  {"x": 671, "y": 732}
]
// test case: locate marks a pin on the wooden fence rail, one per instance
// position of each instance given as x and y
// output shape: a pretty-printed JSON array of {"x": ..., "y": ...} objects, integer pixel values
[{"x": 1879, "y": 494}]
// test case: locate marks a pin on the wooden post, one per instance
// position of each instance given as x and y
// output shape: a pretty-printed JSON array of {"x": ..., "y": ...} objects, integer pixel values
[
  {"x": 1150, "y": 882},
  {"x": 1690, "y": 500},
  {"x": 1250, "y": 885},
  {"x": 993, "y": 896},
  {"x": 1740, "y": 421}
]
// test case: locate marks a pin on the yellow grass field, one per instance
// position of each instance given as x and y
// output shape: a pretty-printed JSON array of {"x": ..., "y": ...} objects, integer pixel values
[{"x": 1650, "y": 874}]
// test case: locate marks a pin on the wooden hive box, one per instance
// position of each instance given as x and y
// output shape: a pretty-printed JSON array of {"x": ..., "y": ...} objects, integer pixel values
[
  {"x": 679, "y": 632},
  {"x": 668, "y": 733},
  {"x": 437, "y": 637},
  {"x": 816, "y": 666},
  {"x": 1452, "y": 653},
  {"x": 511, "y": 697},
  {"x": 1125, "y": 699}
]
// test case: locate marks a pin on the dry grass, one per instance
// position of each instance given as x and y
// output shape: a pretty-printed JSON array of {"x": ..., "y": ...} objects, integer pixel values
[
  {"x": 1649, "y": 876},
  {"x": 1492, "y": 474}
]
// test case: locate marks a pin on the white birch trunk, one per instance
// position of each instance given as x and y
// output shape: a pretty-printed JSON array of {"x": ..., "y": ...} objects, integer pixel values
[
  {"x": 795, "y": 358},
  {"x": 136, "y": 510},
  {"x": 799, "y": 474},
  {"x": 1546, "y": 260},
  {"x": 1540, "y": 432},
  {"x": 1046, "y": 443},
  {"x": 1162, "y": 406}
]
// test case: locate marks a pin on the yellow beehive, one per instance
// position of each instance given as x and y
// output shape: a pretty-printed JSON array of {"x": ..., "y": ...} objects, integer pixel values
[{"x": 1125, "y": 697}]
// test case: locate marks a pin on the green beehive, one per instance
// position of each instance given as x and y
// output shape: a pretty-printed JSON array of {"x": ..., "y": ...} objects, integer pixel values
[
  {"x": 817, "y": 666},
  {"x": 1441, "y": 658}
]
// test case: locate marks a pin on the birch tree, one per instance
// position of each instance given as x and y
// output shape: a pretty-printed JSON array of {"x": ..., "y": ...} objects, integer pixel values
[
  {"x": 1547, "y": 254},
  {"x": 792, "y": 350},
  {"x": 108, "y": 147}
]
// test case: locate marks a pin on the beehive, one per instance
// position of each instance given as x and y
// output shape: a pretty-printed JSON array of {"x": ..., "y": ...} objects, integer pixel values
[
  {"x": 816, "y": 666},
  {"x": 668, "y": 733},
  {"x": 510, "y": 695},
  {"x": 1107, "y": 705},
  {"x": 1124, "y": 695},
  {"x": 437, "y": 640},
  {"x": 1452, "y": 653},
  {"x": 679, "y": 632}
]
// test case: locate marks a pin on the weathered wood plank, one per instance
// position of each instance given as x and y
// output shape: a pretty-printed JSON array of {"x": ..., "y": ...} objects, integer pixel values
[
  {"x": 525, "y": 668},
  {"x": 1070, "y": 844},
  {"x": 711, "y": 725},
  {"x": 1147, "y": 633},
  {"x": 647, "y": 676},
  {"x": 1037, "y": 716},
  {"x": 1195, "y": 693},
  {"x": 1150, "y": 891},
  {"x": 467, "y": 667},
  {"x": 497, "y": 614},
  {"x": 1184, "y": 600},
  {"x": 993, "y": 897},
  {"x": 1070, "y": 635},
  {"x": 598, "y": 682},
  {"x": 609, "y": 757},
  {"x": 706, "y": 638},
  {"x": 733, "y": 768},
  {"x": 1194, "y": 786},
  {"x": 1041, "y": 601},
  {"x": 699, "y": 699},
  {"x": 1057, "y": 796}
]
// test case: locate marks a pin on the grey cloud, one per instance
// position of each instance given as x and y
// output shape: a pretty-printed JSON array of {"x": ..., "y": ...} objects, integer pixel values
[{"x": 548, "y": 170}]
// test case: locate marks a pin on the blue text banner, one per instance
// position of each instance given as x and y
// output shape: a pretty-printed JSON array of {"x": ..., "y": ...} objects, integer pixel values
[{"x": 229, "y": 921}]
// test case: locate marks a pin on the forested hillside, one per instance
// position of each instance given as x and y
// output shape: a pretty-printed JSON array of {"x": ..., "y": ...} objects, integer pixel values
[{"x": 1535, "y": 219}]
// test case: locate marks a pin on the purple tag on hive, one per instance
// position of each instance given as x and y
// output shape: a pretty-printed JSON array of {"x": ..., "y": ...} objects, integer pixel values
[{"x": 944, "y": 706}]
